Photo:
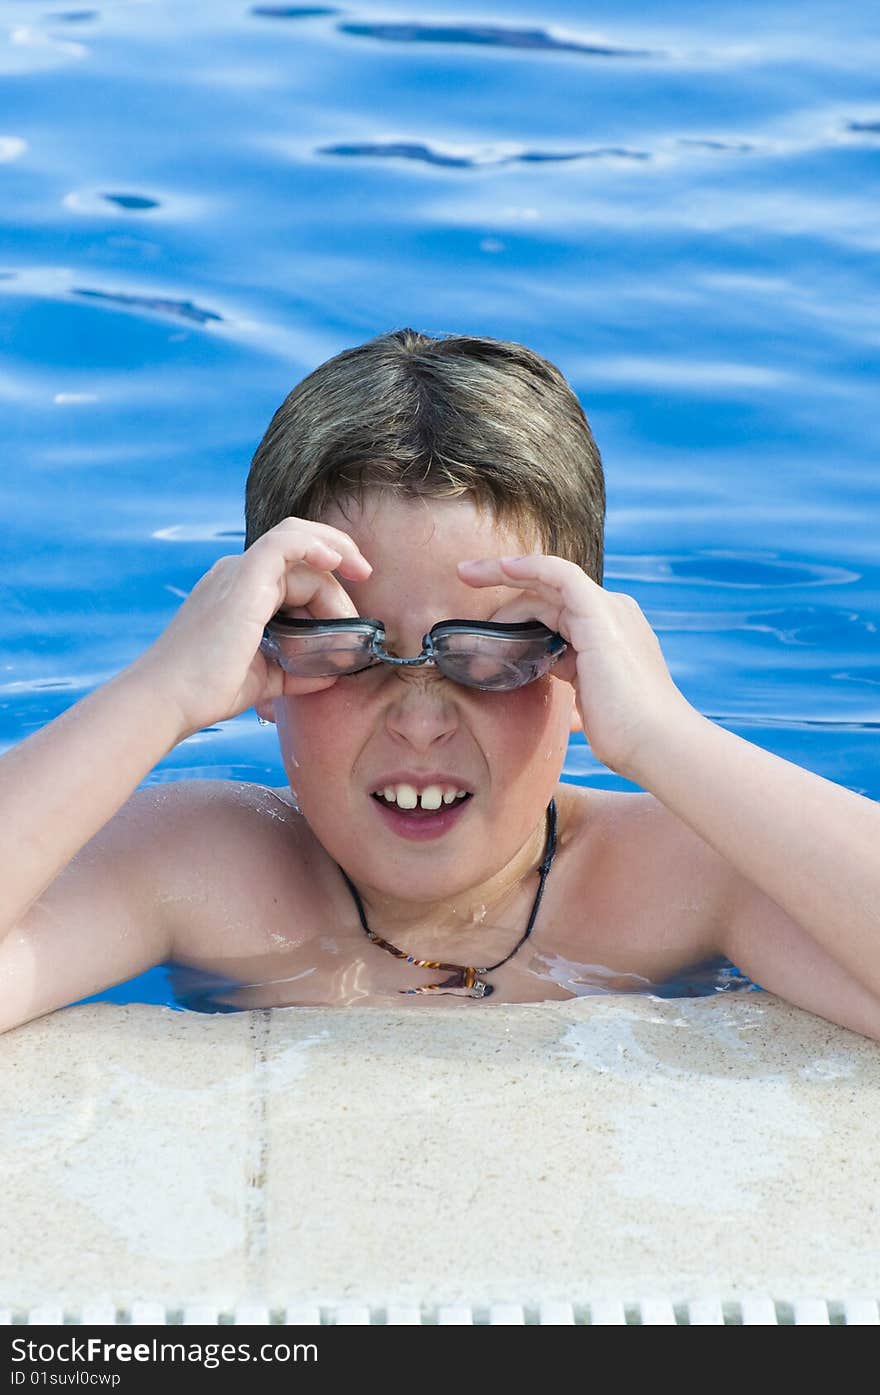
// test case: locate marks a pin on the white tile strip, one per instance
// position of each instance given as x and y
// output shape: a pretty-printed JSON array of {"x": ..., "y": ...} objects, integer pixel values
[
  {"x": 399, "y": 1315},
  {"x": 148, "y": 1315},
  {"x": 200, "y": 1315},
  {"x": 861, "y": 1312},
  {"x": 353, "y": 1315},
  {"x": 46, "y": 1315},
  {"x": 759, "y": 1311},
  {"x": 252, "y": 1315},
  {"x": 706, "y": 1312},
  {"x": 455, "y": 1314},
  {"x": 506, "y": 1315},
  {"x": 303, "y": 1315},
  {"x": 752, "y": 1310},
  {"x": 811, "y": 1312},
  {"x": 607, "y": 1312},
  {"x": 657, "y": 1312},
  {"x": 98, "y": 1315},
  {"x": 556, "y": 1315}
]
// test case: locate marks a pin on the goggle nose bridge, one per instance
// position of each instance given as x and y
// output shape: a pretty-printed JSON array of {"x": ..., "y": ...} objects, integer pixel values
[{"x": 377, "y": 648}]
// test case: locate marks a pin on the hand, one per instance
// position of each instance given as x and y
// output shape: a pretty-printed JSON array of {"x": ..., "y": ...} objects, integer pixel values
[
  {"x": 208, "y": 659},
  {"x": 625, "y": 694}
]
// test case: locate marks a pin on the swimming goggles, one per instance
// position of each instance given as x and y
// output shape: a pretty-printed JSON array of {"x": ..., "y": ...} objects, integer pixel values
[{"x": 484, "y": 654}]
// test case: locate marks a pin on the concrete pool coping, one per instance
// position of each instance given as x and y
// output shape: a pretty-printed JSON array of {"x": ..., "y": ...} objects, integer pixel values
[{"x": 601, "y": 1149}]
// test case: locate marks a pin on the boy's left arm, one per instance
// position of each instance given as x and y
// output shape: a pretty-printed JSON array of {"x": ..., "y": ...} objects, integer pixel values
[
  {"x": 804, "y": 853},
  {"x": 804, "y": 902}
]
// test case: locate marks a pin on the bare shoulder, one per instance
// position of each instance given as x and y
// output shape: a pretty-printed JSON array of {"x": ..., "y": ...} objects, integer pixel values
[
  {"x": 203, "y": 819},
  {"x": 656, "y": 894},
  {"x": 232, "y": 858},
  {"x": 225, "y": 799},
  {"x": 195, "y": 869},
  {"x": 680, "y": 867},
  {"x": 627, "y": 827}
]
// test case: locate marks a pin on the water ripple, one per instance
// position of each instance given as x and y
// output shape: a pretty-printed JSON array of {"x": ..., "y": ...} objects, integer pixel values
[
  {"x": 197, "y": 532},
  {"x": 292, "y": 11},
  {"x": 716, "y": 144},
  {"x": 790, "y": 723},
  {"x": 133, "y": 201},
  {"x": 488, "y": 35},
  {"x": 175, "y": 203},
  {"x": 754, "y": 571},
  {"x": 697, "y": 375},
  {"x": 812, "y": 627},
  {"x": 177, "y": 309},
  {"x": 414, "y": 150},
  {"x": 747, "y": 571}
]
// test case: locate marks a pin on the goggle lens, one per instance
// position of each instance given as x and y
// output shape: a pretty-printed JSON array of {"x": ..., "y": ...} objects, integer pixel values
[
  {"x": 498, "y": 660},
  {"x": 491, "y": 661},
  {"x": 320, "y": 655}
]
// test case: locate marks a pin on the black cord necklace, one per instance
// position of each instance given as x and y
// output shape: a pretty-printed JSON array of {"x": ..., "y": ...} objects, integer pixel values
[{"x": 465, "y": 979}]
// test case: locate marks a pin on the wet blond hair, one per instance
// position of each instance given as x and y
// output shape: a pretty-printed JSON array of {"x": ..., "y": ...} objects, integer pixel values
[{"x": 437, "y": 417}]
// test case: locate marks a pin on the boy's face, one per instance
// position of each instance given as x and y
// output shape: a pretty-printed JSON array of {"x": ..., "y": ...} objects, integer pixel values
[{"x": 339, "y": 744}]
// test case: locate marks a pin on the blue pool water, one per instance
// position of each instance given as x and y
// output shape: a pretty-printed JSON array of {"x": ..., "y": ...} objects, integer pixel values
[{"x": 675, "y": 203}]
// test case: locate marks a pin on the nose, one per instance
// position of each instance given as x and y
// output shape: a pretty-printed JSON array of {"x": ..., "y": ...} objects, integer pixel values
[{"x": 422, "y": 709}]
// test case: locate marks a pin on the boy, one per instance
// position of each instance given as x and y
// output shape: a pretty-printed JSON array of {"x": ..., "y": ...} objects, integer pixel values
[{"x": 425, "y": 851}]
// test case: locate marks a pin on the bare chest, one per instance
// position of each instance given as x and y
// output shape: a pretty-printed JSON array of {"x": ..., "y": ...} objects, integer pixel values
[{"x": 628, "y": 904}]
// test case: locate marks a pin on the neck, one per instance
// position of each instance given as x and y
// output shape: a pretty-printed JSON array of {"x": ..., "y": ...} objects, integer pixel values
[{"x": 471, "y": 925}]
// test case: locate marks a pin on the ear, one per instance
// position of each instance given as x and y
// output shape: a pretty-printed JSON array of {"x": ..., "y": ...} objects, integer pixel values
[{"x": 266, "y": 710}]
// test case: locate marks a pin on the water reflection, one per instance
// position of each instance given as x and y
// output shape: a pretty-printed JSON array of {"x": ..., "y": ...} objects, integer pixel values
[{"x": 553, "y": 978}]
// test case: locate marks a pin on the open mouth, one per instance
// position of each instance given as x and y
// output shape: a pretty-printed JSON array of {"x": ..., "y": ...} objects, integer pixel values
[{"x": 419, "y": 811}]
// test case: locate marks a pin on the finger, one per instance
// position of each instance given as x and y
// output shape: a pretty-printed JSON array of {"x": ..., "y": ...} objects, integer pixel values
[
  {"x": 315, "y": 590},
  {"x": 297, "y": 546},
  {"x": 527, "y": 605},
  {"x": 566, "y": 666},
  {"x": 309, "y": 562},
  {"x": 351, "y": 557},
  {"x": 278, "y": 683},
  {"x": 548, "y": 577},
  {"x": 524, "y": 603},
  {"x": 489, "y": 571},
  {"x": 483, "y": 571},
  {"x": 301, "y": 687},
  {"x": 320, "y": 554},
  {"x": 536, "y": 565}
]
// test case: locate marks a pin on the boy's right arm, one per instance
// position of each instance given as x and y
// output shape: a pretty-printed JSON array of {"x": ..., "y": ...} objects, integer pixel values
[
  {"x": 79, "y": 889},
  {"x": 76, "y": 909}
]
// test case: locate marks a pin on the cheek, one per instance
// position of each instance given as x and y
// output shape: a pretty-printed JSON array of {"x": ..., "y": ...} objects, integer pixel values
[
  {"x": 319, "y": 731},
  {"x": 322, "y": 734},
  {"x": 517, "y": 723}
]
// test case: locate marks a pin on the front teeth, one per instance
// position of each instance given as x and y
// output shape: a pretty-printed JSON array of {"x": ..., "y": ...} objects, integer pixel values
[{"x": 407, "y": 797}]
